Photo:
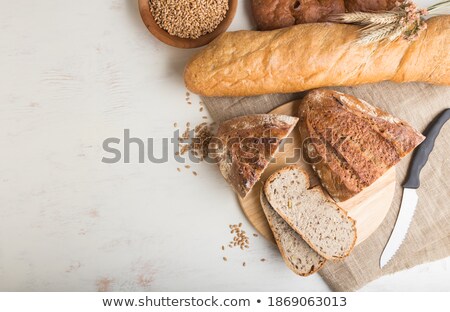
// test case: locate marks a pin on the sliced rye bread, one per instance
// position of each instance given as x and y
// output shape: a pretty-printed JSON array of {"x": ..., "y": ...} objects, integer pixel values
[
  {"x": 319, "y": 221},
  {"x": 245, "y": 145},
  {"x": 349, "y": 142},
  {"x": 296, "y": 253}
]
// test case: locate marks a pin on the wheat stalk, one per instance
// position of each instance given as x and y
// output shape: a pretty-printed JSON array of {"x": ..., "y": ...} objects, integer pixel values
[
  {"x": 377, "y": 33},
  {"x": 363, "y": 18},
  {"x": 438, "y": 6},
  {"x": 405, "y": 20}
]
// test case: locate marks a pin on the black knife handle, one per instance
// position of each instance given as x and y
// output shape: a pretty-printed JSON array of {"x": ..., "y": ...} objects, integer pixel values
[{"x": 421, "y": 154}]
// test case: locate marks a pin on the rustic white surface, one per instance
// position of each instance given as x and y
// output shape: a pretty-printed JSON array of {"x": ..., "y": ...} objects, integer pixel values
[{"x": 73, "y": 73}]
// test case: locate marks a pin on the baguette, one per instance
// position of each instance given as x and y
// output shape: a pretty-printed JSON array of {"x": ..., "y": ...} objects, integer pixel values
[
  {"x": 352, "y": 142},
  {"x": 320, "y": 222},
  {"x": 309, "y": 56},
  {"x": 296, "y": 253}
]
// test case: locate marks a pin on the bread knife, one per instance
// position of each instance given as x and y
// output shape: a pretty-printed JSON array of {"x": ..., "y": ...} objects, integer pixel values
[{"x": 410, "y": 186}]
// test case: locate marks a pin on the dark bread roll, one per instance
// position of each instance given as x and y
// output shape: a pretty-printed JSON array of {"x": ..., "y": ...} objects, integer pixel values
[
  {"x": 276, "y": 14},
  {"x": 369, "y": 5}
]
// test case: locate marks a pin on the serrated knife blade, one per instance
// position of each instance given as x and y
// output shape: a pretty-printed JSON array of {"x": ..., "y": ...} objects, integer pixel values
[
  {"x": 412, "y": 183},
  {"x": 405, "y": 216}
]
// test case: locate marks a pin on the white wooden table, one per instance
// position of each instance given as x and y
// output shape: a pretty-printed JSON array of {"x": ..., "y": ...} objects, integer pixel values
[{"x": 72, "y": 74}]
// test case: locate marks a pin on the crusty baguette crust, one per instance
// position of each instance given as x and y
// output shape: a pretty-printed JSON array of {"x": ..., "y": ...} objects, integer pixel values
[
  {"x": 282, "y": 248},
  {"x": 374, "y": 141},
  {"x": 309, "y": 56},
  {"x": 326, "y": 198}
]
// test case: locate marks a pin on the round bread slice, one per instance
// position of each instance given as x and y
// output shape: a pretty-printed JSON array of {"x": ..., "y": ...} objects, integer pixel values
[
  {"x": 319, "y": 221},
  {"x": 296, "y": 253}
]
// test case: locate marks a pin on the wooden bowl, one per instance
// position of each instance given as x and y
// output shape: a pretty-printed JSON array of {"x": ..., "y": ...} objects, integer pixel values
[{"x": 164, "y": 36}]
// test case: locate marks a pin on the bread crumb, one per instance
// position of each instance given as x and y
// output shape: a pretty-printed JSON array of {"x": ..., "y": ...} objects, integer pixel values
[
  {"x": 243, "y": 264},
  {"x": 225, "y": 259},
  {"x": 194, "y": 173},
  {"x": 263, "y": 260},
  {"x": 178, "y": 169}
]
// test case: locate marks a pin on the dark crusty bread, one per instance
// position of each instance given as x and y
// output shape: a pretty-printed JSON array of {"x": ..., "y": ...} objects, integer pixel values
[
  {"x": 310, "y": 56},
  {"x": 276, "y": 14},
  {"x": 349, "y": 142},
  {"x": 245, "y": 145},
  {"x": 369, "y": 5},
  {"x": 319, "y": 221},
  {"x": 296, "y": 253}
]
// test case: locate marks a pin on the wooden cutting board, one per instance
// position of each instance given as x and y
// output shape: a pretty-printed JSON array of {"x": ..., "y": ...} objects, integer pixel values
[{"x": 368, "y": 208}]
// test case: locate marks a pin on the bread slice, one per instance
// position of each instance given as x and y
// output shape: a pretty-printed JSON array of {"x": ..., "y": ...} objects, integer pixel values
[
  {"x": 320, "y": 222},
  {"x": 296, "y": 253},
  {"x": 245, "y": 145},
  {"x": 351, "y": 143}
]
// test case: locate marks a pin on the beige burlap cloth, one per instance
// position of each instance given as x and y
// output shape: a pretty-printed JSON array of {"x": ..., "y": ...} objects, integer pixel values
[{"x": 429, "y": 236}]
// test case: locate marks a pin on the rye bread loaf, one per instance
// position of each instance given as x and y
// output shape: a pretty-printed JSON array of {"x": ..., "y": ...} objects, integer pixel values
[
  {"x": 277, "y": 14},
  {"x": 350, "y": 143},
  {"x": 245, "y": 145},
  {"x": 309, "y": 56},
  {"x": 369, "y": 5},
  {"x": 319, "y": 221},
  {"x": 296, "y": 253}
]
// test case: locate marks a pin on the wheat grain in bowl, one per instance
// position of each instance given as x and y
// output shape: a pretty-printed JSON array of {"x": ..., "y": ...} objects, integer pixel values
[{"x": 189, "y": 18}]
